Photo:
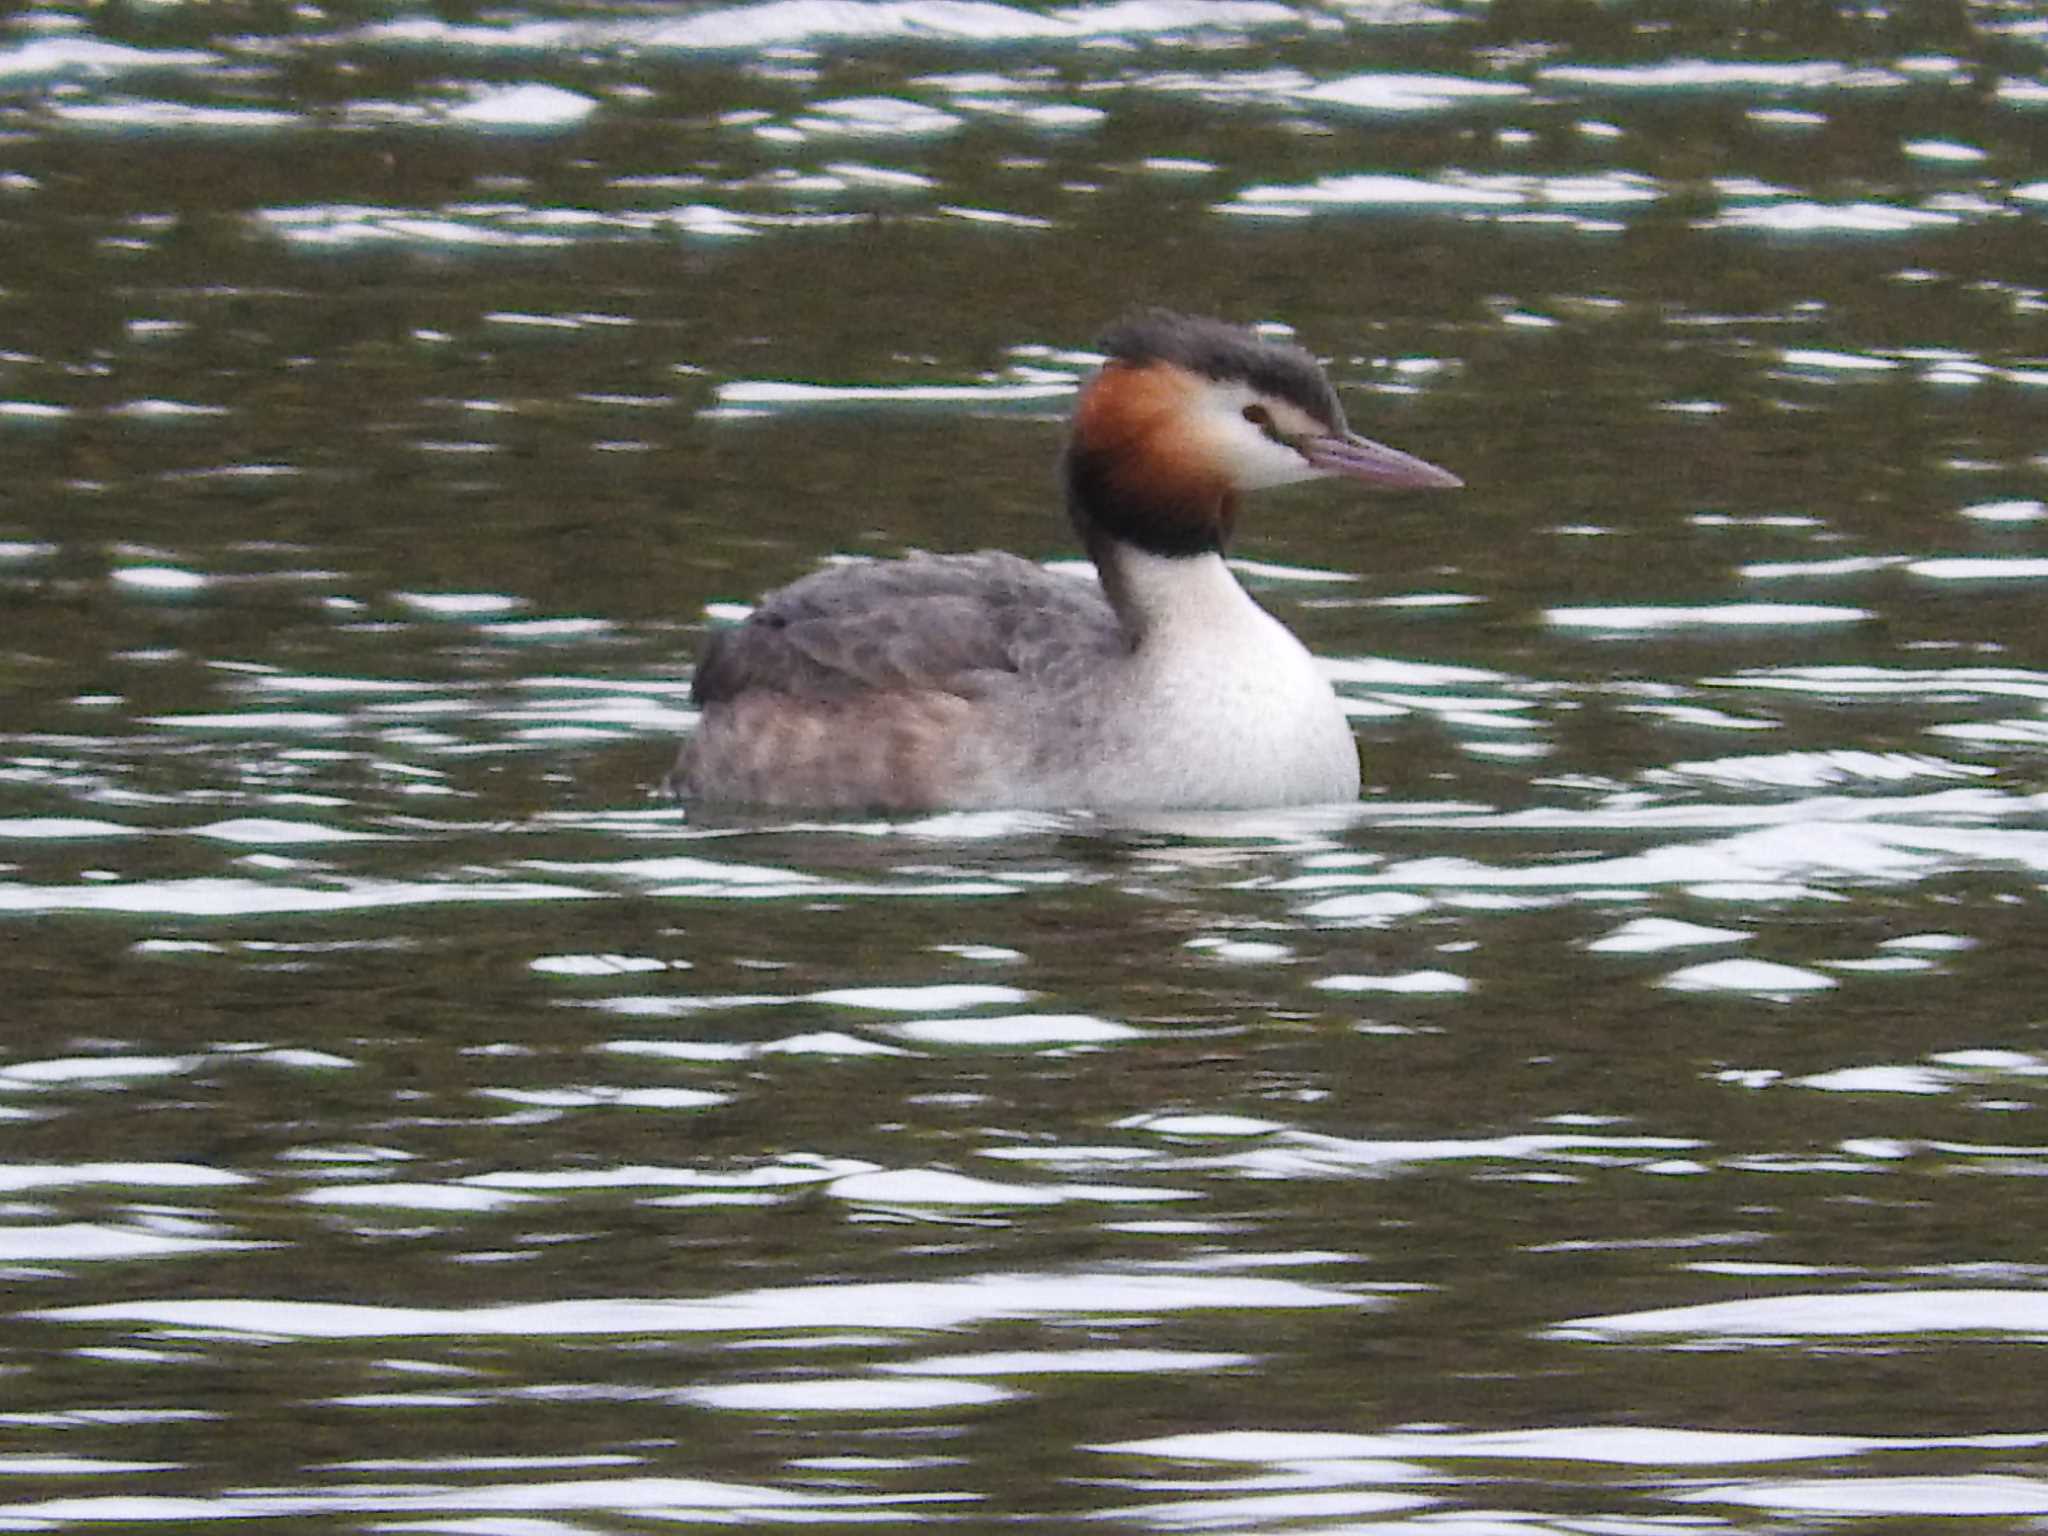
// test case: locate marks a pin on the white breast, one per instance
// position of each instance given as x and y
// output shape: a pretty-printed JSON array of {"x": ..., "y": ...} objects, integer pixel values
[{"x": 1218, "y": 706}]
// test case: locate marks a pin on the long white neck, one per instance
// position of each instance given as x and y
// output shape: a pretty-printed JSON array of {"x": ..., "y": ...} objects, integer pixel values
[{"x": 1188, "y": 602}]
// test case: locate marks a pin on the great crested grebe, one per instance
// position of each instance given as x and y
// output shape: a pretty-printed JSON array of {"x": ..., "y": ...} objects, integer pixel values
[{"x": 984, "y": 680}]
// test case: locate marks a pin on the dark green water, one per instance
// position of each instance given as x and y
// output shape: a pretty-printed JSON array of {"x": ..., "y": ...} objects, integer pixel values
[{"x": 1627, "y": 1119}]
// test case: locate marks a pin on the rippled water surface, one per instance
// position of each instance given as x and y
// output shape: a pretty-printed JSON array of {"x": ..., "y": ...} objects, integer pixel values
[{"x": 1626, "y": 1119}]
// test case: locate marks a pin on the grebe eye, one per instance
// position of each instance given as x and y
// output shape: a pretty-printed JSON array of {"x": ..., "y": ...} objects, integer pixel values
[{"x": 1260, "y": 417}]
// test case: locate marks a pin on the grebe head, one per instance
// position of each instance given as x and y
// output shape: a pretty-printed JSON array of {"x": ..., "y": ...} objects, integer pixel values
[{"x": 1186, "y": 413}]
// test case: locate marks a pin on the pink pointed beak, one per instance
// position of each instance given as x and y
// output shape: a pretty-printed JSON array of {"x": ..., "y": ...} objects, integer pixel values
[{"x": 1360, "y": 458}]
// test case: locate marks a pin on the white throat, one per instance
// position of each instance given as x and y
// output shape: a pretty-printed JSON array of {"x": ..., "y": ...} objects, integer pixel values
[
  {"x": 1232, "y": 709},
  {"x": 1184, "y": 601}
]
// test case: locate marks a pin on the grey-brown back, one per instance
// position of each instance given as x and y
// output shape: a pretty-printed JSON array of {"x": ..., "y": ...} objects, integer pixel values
[
  {"x": 931, "y": 681},
  {"x": 958, "y": 624}
]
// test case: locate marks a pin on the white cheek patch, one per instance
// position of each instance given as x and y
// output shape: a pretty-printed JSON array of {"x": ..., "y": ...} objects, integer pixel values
[{"x": 1252, "y": 460}]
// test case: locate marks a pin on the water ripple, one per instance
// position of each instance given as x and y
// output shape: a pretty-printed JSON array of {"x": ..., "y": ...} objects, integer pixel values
[{"x": 915, "y": 1307}]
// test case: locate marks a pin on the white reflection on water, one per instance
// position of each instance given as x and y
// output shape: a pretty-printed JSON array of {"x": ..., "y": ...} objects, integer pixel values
[
  {"x": 1834, "y": 842},
  {"x": 53, "y": 827},
  {"x": 1893, "y": 682},
  {"x": 1883, "y": 1079},
  {"x": 912, "y": 1188},
  {"x": 1410, "y": 983},
  {"x": 751, "y": 397},
  {"x": 27, "y": 1176},
  {"x": 1460, "y": 193},
  {"x": 1847, "y": 565},
  {"x": 93, "y": 1069},
  {"x": 793, "y": 23},
  {"x": 164, "y": 116},
  {"x": 824, "y": 1042},
  {"x": 51, "y": 58},
  {"x": 254, "y": 721},
  {"x": 1705, "y": 616},
  {"x": 925, "y": 999},
  {"x": 1724, "y": 74},
  {"x": 2015, "y": 511},
  {"x": 1015, "y": 1029},
  {"x": 1253, "y": 1509},
  {"x": 1200, "y": 1125},
  {"x": 1277, "y": 1151},
  {"x": 1764, "y": 977},
  {"x": 1881, "y": 1497},
  {"x": 1063, "y": 1362},
  {"x": 1390, "y": 92},
  {"x": 89, "y": 1242},
  {"x": 1807, "y": 218},
  {"x": 915, "y": 1307},
  {"x": 1854, "y": 1314},
  {"x": 1981, "y": 568},
  {"x": 1021, "y": 1029},
  {"x": 158, "y": 578},
  {"x": 512, "y": 226},
  {"x": 687, "y": 876},
  {"x": 877, "y": 117},
  {"x": 269, "y": 832},
  {"x": 224, "y": 897},
  {"x": 664, "y": 1498},
  {"x": 74, "y": 1466},
  {"x": 1368, "y": 1463},
  {"x": 1620, "y": 1445},
  {"x": 602, "y": 965},
  {"x": 1943, "y": 151},
  {"x": 1943, "y": 1072},
  {"x": 521, "y": 106},
  {"x": 416, "y": 1197},
  {"x": 787, "y": 1171},
  {"x": 606, "y": 1096},
  {"x": 933, "y": 1187},
  {"x": 1653, "y": 935},
  {"x": 856, "y": 1394}
]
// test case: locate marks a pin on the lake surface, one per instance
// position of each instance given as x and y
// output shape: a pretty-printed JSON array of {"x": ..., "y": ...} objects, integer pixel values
[{"x": 1628, "y": 1118}]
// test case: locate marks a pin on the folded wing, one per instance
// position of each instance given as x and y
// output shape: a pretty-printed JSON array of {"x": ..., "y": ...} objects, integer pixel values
[{"x": 954, "y": 624}]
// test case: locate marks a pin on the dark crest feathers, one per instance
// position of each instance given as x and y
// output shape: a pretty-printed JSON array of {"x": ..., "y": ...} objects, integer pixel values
[{"x": 1219, "y": 351}]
